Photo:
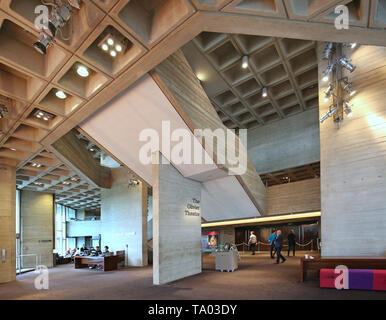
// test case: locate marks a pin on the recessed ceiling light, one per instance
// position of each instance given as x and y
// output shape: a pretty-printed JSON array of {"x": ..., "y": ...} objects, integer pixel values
[
  {"x": 244, "y": 64},
  {"x": 113, "y": 53},
  {"x": 82, "y": 71},
  {"x": 105, "y": 47},
  {"x": 264, "y": 93},
  {"x": 13, "y": 149},
  {"x": 118, "y": 47},
  {"x": 60, "y": 94},
  {"x": 110, "y": 41}
]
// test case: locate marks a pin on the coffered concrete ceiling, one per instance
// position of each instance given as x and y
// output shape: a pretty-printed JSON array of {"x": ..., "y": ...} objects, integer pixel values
[
  {"x": 286, "y": 67},
  {"x": 151, "y": 31}
]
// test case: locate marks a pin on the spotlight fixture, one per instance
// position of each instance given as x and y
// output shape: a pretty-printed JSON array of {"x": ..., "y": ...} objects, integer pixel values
[
  {"x": 346, "y": 64},
  {"x": 328, "y": 50},
  {"x": 59, "y": 16},
  {"x": 105, "y": 47},
  {"x": 328, "y": 92},
  {"x": 82, "y": 71},
  {"x": 264, "y": 92},
  {"x": 110, "y": 41},
  {"x": 329, "y": 113},
  {"x": 353, "y": 45},
  {"x": 45, "y": 40},
  {"x": 43, "y": 115},
  {"x": 113, "y": 53},
  {"x": 118, "y": 48},
  {"x": 244, "y": 63},
  {"x": 60, "y": 94},
  {"x": 347, "y": 109},
  {"x": 327, "y": 72},
  {"x": 348, "y": 88},
  {"x": 3, "y": 110}
]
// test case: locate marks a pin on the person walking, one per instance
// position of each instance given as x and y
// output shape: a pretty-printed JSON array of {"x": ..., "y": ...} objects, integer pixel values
[
  {"x": 279, "y": 247},
  {"x": 271, "y": 239},
  {"x": 252, "y": 242},
  {"x": 291, "y": 242}
]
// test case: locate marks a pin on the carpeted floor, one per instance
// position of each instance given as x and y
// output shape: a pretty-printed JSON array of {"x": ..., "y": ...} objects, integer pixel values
[{"x": 257, "y": 278}]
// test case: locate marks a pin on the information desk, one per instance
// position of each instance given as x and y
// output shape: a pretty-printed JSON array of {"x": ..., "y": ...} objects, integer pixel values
[
  {"x": 332, "y": 262},
  {"x": 108, "y": 263}
]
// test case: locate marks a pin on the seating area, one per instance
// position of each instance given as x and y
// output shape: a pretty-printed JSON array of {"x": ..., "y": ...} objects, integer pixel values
[{"x": 353, "y": 279}]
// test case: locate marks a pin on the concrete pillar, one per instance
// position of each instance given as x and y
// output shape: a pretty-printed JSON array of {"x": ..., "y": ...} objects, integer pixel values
[
  {"x": 176, "y": 225},
  {"x": 124, "y": 218},
  {"x": 7, "y": 224},
  {"x": 353, "y": 162},
  {"x": 38, "y": 237}
]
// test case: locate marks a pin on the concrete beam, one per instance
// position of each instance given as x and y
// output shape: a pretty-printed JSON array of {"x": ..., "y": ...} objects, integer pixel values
[{"x": 70, "y": 150}]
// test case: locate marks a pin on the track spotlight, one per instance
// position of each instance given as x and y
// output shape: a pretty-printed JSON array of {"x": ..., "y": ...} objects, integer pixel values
[
  {"x": 82, "y": 71},
  {"x": 328, "y": 50},
  {"x": 60, "y": 94},
  {"x": 43, "y": 43},
  {"x": 347, "y": 87},
  {"x": 244, "y": 64},
  {"x": 327, "y": 72},
  {"x": 3, "y": 110},
  {"x": 346, "y": 64},
  {"x": 329, "y": 113},
  {"x": 264, "y": 92},
  {"x": 59, "y": 17},
  {"x": 328, "y": 92},
  {"x": 347, "y": 109}
]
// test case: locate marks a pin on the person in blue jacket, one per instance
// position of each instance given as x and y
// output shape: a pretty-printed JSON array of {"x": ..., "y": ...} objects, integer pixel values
[{"x": 271, "y": 239}]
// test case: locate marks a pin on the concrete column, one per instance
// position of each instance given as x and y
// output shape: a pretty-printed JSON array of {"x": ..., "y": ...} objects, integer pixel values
[
  {"x": 124, "y": 218},
  {"x": 7, "y": 224},
  {"x": 176, "y": 225},
  {"x": 353, "y": 162},
  {"x": 37, "y": 211}
]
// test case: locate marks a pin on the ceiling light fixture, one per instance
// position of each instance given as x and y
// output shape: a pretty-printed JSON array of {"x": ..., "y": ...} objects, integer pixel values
[
  {"x": 347, "y": 109},
  {"x": 105, "y": 47},
  {"x": 264, "y": 92},
  {"x": 60, "y": 94},
  {"x": 118, "y": 47},
  {"x": 110, "y": 41},
  {"x": 328, "y": 92},
  {"x": 45, "y": 40},
  {"x": 3, "y": 110},
  {"x": 113, "y": 53},
  {"x": 353, "y": 45},
  {"x": 244, "y": 63},
  {"x": 59, "y": 16},
  {"x": 348, "y": 88},
  {"x": 43, "y": 115},
  {"x": 328, "y": 50},
  {"x": 346, "y": 64},
  {"x": 327, "y": 72},
  {"x": 329, "y": 113},
  {"x": 82, "y": 71}
]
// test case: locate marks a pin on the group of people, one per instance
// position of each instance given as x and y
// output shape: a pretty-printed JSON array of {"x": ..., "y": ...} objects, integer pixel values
[
  {"x": 276, "y": 243},
  {"x": 84, "y": 251}
]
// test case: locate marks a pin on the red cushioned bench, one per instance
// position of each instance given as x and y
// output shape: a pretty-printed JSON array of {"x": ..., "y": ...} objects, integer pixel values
[{"x": 360, "y": 279}]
